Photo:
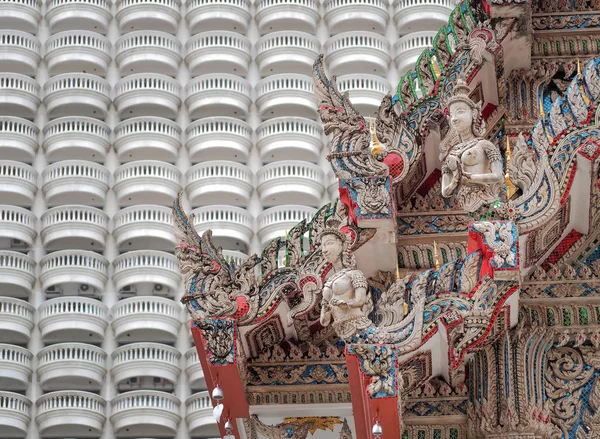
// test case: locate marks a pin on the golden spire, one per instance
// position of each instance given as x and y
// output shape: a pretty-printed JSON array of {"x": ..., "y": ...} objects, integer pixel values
[
  {"x": 510, "y": 187},
  {"x": 436, "y": 256},
  {"x": 436, "y": 66},
  {"x": 376, "y": 147},
  {"x": 543, "y": 115},
  {"x": 578, "y": 68}
]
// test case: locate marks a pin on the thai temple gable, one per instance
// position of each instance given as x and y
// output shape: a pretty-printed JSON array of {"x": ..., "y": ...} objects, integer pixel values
[{"x": 452, "y": 290}]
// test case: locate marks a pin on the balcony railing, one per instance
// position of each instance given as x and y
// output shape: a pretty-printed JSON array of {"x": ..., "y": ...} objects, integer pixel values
[
  {"x": 18, "y": 138},
  {"x": 92, "y": 15},
  {"x": 154, "y": 267},
  {"x": 147, "y": 182},
  {"x": 23, "y": 15},
  {"x": 209, "y": 15},
  {"x": 17, "y": 274},
  {"x": 18, "y": 183},
  {"x": 286, "y": 95},
  {"x": 145, "y": 412},
  {"x": 75, "y": 319},
  {"x": 144, "y": 227},
  {"x": 356, "y": 15},
  {"x": 287, "y": 52},
  {"x": 74, "y": 226},
  {"x": 159, "y": 15},
  {"x": 234, "y": 257},
  {"x": 74, "y": 137},
  {"x": 15, "y": 414},
  {"x": 231, "y": 226},
  {"x": 140, "y": 319},
  {"x": 19, "y": 95},
  {"x": 290, "y": 181},
  {"x": 273, "y": 222},
  {"x": 218, "y": 95},
  {"x": 421, "y": 15},
  {"x": 17, "y": 228},
  {"x": 218, "y": 52},
  {"x": 289, "y": 138},
  {"x": 75, "y": 182},
  {"x": 147, "y": 94},
  {"x": 199, "y": 415},
  {"x": 193, "y": 370},
  {"x": 219, "y": 182},
  {"x": 16, "y": 320},
  {"x": 287, "y": 15},
  {"x": 220, "y": 138},
  {"x": 72, "y": 366},
  {"x": 148, "y": 52},
  {"x": 88, "y": 269},
  {"x": 333, "y": 187},
  {"x": 77, "y": 51},
  {"x": 15, "y": 367},
  {"x": 366, "y": 91},
  {"x": 408, "y": 49},
  {"x": 145, "y": 360},
  {"x": 70, "y": 413},
  {"x": 77, "y": 94},
  {"x": 19, "y": 51},
  {"x": 358, "y": 52},
  {"x": 153, "y": 138}
]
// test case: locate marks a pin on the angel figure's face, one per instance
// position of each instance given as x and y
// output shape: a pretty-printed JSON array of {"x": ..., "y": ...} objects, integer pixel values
[
  {"x": 332, "y": 247},
  {"x": 461, "y": 117}
]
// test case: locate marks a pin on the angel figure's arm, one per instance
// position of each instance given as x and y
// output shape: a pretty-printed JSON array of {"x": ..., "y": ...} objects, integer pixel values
[
  {"x": 325, "y": 317},
  {"x": 359, "y": 282},
  {"x": 495, "y": 159}
]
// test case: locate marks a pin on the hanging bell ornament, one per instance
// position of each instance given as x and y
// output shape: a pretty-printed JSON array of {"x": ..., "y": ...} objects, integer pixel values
[
  {"x": 228, "y": 426},
  {"x": 377, "y": 430},
  {"x": 217, "y": 393}
]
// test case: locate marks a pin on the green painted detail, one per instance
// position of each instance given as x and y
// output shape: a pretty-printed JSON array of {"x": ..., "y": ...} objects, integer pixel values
[
  {"x": 566, "y": 317},
  {"x": 583, "y": 316},
  {"x": 550, "y": 317}
]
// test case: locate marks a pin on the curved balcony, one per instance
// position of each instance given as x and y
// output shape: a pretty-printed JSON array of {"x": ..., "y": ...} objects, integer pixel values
[
  {"x": 287, "y": 15},
  {"x": 420, "y": 15},
  {"x": 273, "y": 222},
  {"x": 356, "y": 15},
  {"x": 287, "y": 52},
  {"x": 145, "y": 360},
  {"x": 286, "y": 95},
  {"x": 147, "y": 182},
  {"x": 147, "y": 94},
  {"x": 18, "y": 183},
  {"x": 289, "y": 138},
  {"x": 144, "y": 227},
  {"x": 73, "y": 226},
  {"x": 19, "y": 95},
  {"x": 199, "y": 416},
  {"x": 408, "y": 49},
  {"x": 153, "y": 267},
  {"x": 15, "y": 414},
  {"x": 77, "y": 94},
  {"x": 234, "y": 257},
  {"x": 17, "y": 225},
  {"x": 19, "y": 52},
  {"x": 218, "y": 52},
  {"x": 145, "y": 413},
  {"x": 73, "y": 319},
  {"x": 193, "y": 370},
  {"x": 70, "y": 413},
  {"x": 232, "y": 226},
  {"x": 78, "y": 138},
  {"x": 73, "y": 366},
  {"x": 152, "y": 138},
  {"x": 23, "y": 15},
  {"x": 15, "y": 367},
  {"x": 209, "y": 15},
  {"x": 89, "y": 15},
  {"x": 358, "y": 52},
  {"x": 366, "y": 91},
  {"x": 148, "y": 52},
  {"x": 290, "y": 181},
  {"x": 75, "y": 182},
  {"x": 159, "y": 15},
  {"x": 333, "y": 188},
  {"x": 16, "y": 320},
  {"x": 17, "y": 274},
  {"x": 18, "y": 138},
  {"x": 220, "y": 138},
  {"x": 77, "y": 51},
  {"x": 218, "y": 95},
  {"x": 219, "y": 182},
  {"x": 140, "y": 319},
  {"x": 74, "y": 266}
]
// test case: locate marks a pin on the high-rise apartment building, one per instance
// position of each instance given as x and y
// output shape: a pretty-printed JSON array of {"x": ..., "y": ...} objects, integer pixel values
[{"x": 107, "y": 111}]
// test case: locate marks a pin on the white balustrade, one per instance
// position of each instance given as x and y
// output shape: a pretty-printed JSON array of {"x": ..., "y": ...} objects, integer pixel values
[
  {"x": 75, "y": 182},
  {"x": 18, "y": 183},
  {"x": 290, "y": 181},
  {"x": 74, "y": 266},
  {"x": 23, "y": 15},
  {"x": 220, "y": 138},
  {"x": 356, "y": 15},
  {"x": 287, "y": 52},
  {"x": 232, "y": 226},
  {"x": 15, "y": 367},
  {"x": 19, "y": 51},
  {"x": 91, "y": 15},
  {"x": 76, "y": 137},
  {"x": 286, "y": 95},
  {"x": 18, "y": 138},
  {"x": 358, "y": 52},
  {"x": 77, "y": 94},
  {"x": 145, "y": 226},
  {"x": 154, "y": 138},
  {"x": 159, "y": 15},
  {"x": 77, "y": 51},
  {"x": 218, "y": 95},
  {"x": 366, "y": 91},
  {"x": 218, "y": 52},
  {"x": 15, "y": 414},
  {"x": 193, "y": 370},
  {"x": 17, "y": 226},
  {"x": 147, "y": 318},
  {"x": 409, "y": 47},
  {"x": 147, "y": 266},
  {"x": 273, "y": 222},
  {"x": 74, "y": 226},
  {"x": 148, "y": 52},
  {"x": 72, "y": 319},
  {"x": 145, "y": 360},
  {"x": 287, "y": 15},
  {"x": 147, "y": 94},
  {"x": 289, "y": 138},
  {"x": 209, "y": 15},
  {"x": 217, "y": 182},
  {"x": 147, "y": 182},
  {"x": 16, "y": 320},
  {"x": 19, "y": 95},
  {"x": 421, "y": 15},
  {"x": 17, "y": 274},
  {"x": 199, "y": 415},
  {"x": 144, "y": 413}
]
